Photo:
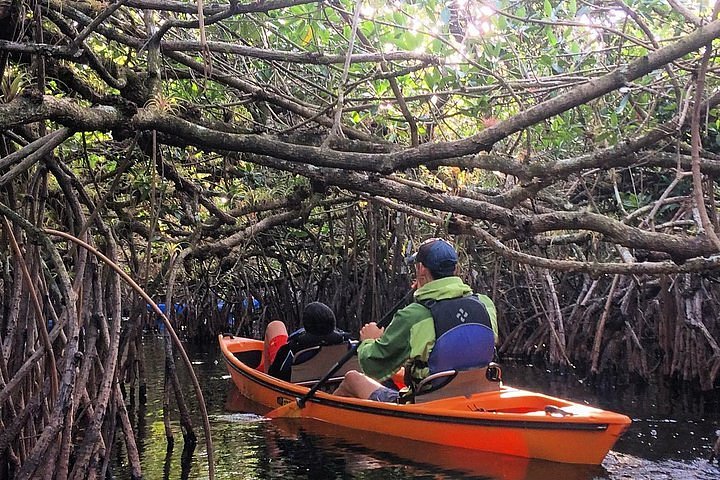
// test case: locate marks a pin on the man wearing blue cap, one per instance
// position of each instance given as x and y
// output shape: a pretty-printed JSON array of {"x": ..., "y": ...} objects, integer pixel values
[{"x": 442, "y": 301}]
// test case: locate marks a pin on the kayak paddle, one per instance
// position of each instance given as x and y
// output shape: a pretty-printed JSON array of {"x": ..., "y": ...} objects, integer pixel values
[{"x": 292, "y": 409}]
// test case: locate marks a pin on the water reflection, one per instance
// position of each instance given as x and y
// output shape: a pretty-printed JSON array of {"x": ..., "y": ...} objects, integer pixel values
[
  {"x": 671, "y": 437},
  {"x": 360, "y": 451}
]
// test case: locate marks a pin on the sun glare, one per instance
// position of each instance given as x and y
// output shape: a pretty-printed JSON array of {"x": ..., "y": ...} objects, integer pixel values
[
  {"x": 454, "y": 59},
  {"x": 367, "y": 11},
  {"x": 389, "y": 47},
  {"x": 472, "y": 30}
]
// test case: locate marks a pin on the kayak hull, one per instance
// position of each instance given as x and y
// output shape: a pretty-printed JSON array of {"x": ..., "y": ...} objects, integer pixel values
[{"x": 508, "y": 421}]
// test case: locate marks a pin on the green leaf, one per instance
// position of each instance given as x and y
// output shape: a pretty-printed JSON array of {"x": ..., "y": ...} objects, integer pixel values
[
  {"x": 436, "y": 46},
  {"x": 410, "y": 41},
  {"x": 308, "y": 36},
  {"x": 571, "y": 8},
  {"x": 550, "y": 35},
  {"x": 381, "y": 88},
  {"x": 431, "y": 78},
  {"x": 501, "y": 22},
  {"x": 547, "y": 7},
  {"x": 623, "y": 103}
]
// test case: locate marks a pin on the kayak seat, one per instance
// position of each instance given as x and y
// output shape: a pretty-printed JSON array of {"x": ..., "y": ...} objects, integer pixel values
[
  {"x": 455, "y": 383},
  {"x": 469, "y": 345},
  {"x": 311, "y": 364},
  {"x": 458, "y": 363},
  {"x": 304, "y": 355}
]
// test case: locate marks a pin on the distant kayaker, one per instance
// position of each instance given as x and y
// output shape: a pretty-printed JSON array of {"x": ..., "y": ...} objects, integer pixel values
[
  {"x": 442, "y": 301},
  {"x": 318, "y": 329}
]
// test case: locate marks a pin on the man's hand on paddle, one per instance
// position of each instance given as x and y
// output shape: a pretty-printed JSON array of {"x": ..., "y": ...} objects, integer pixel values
[{"x": 370, "y": 330}]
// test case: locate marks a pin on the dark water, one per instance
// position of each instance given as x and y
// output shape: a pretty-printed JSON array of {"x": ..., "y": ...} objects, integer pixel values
[{"x": 670, "y": 438}]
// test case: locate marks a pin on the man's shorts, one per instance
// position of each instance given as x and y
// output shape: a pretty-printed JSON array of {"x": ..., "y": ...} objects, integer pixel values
[
  {"x": 385, "y": 394},
  {"x": 273, "y": 346}
]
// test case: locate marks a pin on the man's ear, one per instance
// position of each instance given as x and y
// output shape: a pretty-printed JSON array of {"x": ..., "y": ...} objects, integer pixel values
[{"x": 423, "y": 274}]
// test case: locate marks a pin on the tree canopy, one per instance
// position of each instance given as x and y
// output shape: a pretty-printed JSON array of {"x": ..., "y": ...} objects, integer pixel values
[{"x": 526, "y": 124}]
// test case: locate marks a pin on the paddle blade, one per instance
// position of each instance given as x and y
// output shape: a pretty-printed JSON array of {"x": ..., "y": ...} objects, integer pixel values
[{"x": 289, "y": 410}]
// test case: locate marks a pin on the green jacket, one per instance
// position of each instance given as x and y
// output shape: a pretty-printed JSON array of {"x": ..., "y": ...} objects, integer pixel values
[{"x": 411, "y": 333}]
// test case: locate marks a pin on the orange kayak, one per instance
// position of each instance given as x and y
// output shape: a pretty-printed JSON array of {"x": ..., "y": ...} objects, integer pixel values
[{"x": 504, "y": 420}]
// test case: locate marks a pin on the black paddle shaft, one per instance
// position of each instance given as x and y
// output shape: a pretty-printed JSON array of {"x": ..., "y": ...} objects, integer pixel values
[{"x": 382, "y": 323}]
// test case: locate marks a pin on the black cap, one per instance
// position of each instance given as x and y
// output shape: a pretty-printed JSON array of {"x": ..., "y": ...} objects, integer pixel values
[{"x": 318, "y": 319}]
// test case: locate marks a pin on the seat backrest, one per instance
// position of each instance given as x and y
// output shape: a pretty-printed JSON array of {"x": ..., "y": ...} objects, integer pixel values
[
  {"x": 306, "y": 354},
  {"x": 460, "y": 383},
  {"x": 463, "y": 347},
  {"x": 313, "y": 363}
]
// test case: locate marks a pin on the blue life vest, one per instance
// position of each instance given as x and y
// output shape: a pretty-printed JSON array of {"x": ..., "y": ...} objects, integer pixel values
[{"x": 464, "y": 337}]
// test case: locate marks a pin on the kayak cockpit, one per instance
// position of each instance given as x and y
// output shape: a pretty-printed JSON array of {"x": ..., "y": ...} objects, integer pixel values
[
  {"x": 312, "y": 364},
  {"x": 309, "y": 365}
]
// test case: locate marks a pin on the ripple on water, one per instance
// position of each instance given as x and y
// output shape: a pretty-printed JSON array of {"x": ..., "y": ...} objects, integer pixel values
[
  {"x": 620, "y": 465},
  {"x": 239, "y": 418}
]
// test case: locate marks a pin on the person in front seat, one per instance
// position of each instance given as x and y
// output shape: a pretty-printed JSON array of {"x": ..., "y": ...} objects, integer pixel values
[{"x": 442, "y": 301}]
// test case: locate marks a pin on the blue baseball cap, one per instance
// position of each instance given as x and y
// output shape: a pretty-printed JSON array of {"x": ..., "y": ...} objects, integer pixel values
[{"x": 438, "y": 256}]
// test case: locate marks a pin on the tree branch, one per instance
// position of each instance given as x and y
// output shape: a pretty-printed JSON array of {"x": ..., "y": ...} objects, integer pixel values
[{"x": 311, "y": 58}]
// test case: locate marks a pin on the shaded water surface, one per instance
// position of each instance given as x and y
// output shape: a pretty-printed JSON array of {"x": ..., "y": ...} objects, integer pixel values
[{"x": 670, "y": 438}]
